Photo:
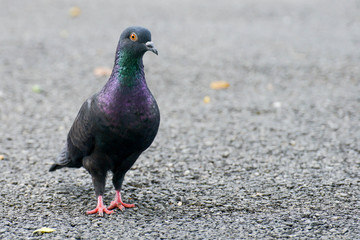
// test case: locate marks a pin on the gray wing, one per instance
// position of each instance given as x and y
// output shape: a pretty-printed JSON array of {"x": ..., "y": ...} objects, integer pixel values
[{"x": 80, "y": 140}]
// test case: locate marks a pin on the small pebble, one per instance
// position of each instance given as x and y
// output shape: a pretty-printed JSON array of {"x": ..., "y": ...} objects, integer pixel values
[{"x": 277, "y": 104}]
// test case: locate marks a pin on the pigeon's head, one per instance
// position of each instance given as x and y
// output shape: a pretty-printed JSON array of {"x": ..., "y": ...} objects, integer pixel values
[{"x": 136, "y": 41}]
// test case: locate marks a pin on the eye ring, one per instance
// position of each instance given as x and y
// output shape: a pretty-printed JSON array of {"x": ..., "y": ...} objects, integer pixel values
[{"x": 133, "y": 37}]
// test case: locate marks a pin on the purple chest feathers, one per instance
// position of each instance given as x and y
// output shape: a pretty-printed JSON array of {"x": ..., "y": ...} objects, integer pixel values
[{"x": 131, "y": 110}]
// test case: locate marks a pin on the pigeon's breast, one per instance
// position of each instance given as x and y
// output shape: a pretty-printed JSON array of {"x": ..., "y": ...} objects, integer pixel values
[{"x": 130, "y": 122}]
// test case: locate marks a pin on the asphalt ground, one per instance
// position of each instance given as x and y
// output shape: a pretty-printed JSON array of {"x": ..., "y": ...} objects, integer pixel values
[{"x": 275, "y": 155}]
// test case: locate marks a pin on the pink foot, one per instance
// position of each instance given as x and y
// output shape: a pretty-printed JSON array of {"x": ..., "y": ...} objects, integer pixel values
[
  {"x": 100, "y": 208},
  {"x": 118, "y": 203}
]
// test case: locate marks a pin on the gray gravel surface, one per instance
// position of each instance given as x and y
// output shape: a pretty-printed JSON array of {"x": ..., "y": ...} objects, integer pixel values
[{"x": 276, "y": 155}]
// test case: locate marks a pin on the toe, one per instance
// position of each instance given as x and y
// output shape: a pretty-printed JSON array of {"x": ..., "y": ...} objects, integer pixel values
[
  {"x": 108, "y": 211},
  {"x": 128, "y": 205},
  {"x": 121, "y": 207},
  {"x": 101, "y": 212},
  {"x": 92, "y": 211},
  {"x": 116, "y": 205},
  {"x": 112, "y": 205}
]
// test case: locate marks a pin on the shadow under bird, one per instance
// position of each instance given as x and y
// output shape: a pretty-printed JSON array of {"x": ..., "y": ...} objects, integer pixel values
[{"x": 114, "y": 126}]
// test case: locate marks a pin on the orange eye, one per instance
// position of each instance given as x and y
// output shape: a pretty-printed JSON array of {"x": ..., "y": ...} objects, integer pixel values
[{"x": 133, "y": 37}]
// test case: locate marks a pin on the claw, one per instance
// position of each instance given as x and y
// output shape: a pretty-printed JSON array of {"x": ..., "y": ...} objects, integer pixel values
[
  {"x": 118, "y": 203},
  {"x": 100, "y": 208}
]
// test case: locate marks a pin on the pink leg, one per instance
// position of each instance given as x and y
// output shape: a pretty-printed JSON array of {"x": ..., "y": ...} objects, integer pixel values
[
  {"x": 100, "y": 208},
  {"x": 118, "y": 203}
]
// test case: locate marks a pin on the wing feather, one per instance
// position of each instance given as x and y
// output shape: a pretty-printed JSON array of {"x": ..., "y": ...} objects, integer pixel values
[{"x": 80, "y": 141}]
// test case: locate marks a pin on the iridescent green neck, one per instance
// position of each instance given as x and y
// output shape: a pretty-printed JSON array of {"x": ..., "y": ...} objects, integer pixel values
[{"x": 128, "y": 70}]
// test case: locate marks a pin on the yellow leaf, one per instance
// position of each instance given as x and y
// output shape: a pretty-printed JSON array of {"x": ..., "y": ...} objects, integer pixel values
[
  {"x": 44, "y": 230},
  {"x": 219, "y": 85},
  {"x": 2, "y": 157},
  {"x": 206, "y": 99},
  {"x": 74, "y": 11},
  {"x": 102, "y": 71}
]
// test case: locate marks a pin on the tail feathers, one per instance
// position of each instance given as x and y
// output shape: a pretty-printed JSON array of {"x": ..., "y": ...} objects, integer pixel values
[
  {"x": 55, "y": 166},
  {"x": 61, "y": 161}
]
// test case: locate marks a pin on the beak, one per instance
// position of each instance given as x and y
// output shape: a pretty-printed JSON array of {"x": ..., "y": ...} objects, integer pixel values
[{"x": 150, "y": 47}]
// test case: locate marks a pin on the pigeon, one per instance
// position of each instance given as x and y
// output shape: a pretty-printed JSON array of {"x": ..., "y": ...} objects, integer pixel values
[{"x": 115, "y": 125}]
